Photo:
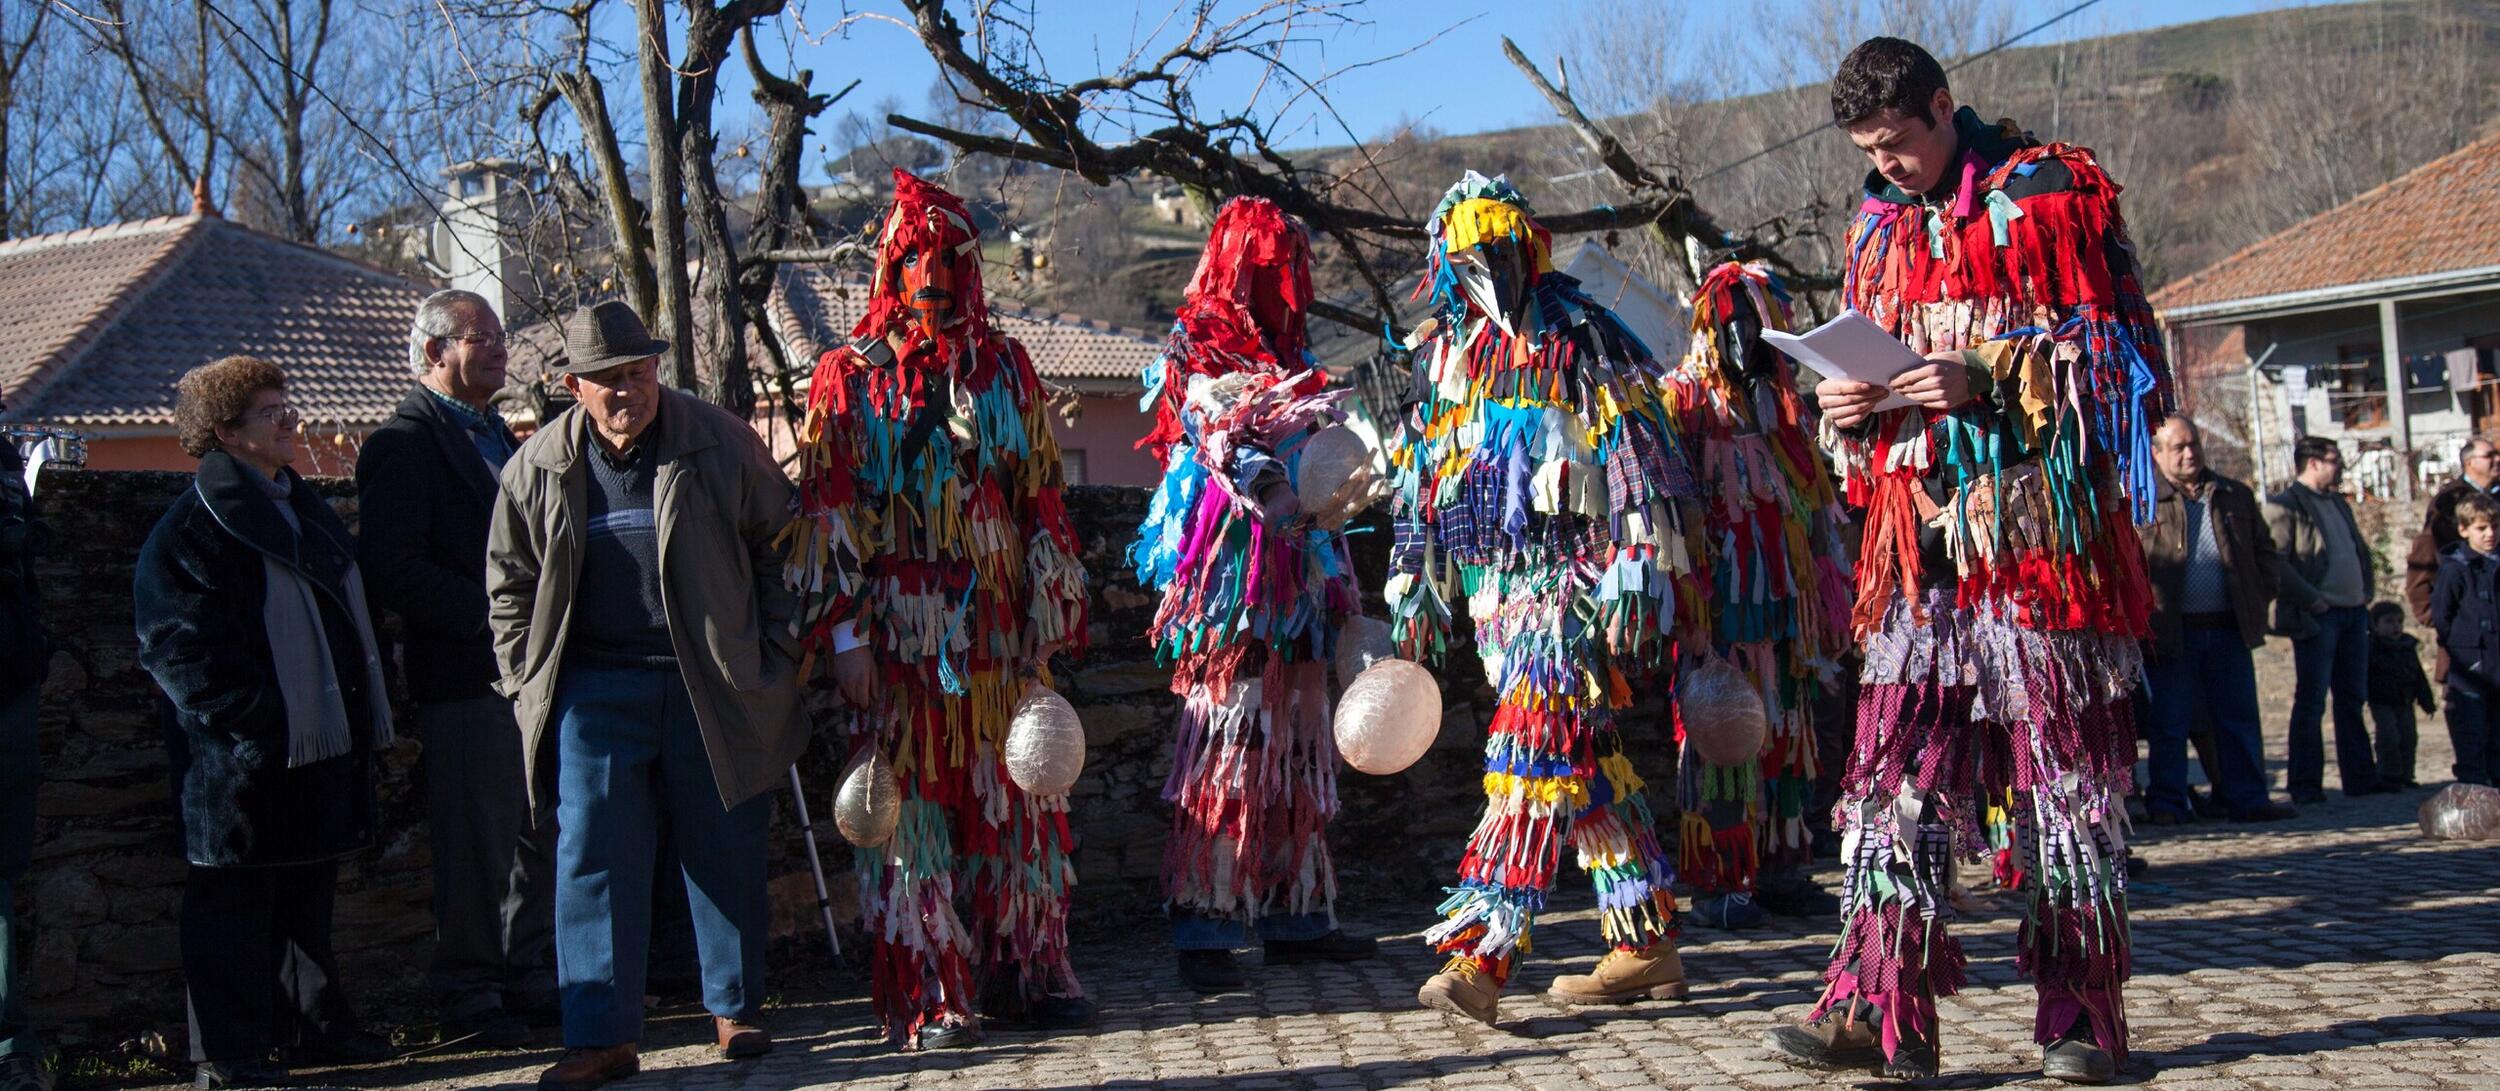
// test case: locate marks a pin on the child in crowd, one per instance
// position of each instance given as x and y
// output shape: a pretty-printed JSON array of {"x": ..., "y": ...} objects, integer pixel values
[
  {"x": 2397, "y": 684},
  {"x": 2467, "y": 619}
]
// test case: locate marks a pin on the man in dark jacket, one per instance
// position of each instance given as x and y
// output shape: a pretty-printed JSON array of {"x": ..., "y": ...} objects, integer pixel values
[
  {"x": 427, "y": 479},
  {"x": 23, "y": 655},
  {"x": 2323, "y": 603},
  {"x": 2478, "y": 471},
  {"x": 2213, "y": 573}
]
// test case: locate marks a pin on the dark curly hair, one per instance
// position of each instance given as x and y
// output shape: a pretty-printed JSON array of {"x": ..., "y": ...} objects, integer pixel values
[
  {"x": 1886, "y": 74},
  {"x": 217, "y": 393}
]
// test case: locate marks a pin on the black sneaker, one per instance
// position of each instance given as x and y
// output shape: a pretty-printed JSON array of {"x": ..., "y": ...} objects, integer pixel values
[
  {"x": 218, "y": 1075},
  {"x": 2310, "y": 795},
  {"x": 963, "y": 1035},
  {"x": 2076, "y": 1057},
  {"x": 1336, "y": 946},
  {"x": 1212, "y": 972},
  {"x": 488, "y": 1028}
]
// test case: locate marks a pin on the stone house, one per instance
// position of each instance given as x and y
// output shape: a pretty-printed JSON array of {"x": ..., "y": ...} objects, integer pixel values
[{"x": 2374, "y": 322}]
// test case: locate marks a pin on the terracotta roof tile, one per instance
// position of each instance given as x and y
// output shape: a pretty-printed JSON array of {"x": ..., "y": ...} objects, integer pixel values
[
  {"x": 2441, "y": 217},
  {"x": 57, "y": 292},
  {"x": 150, "y": 300}
]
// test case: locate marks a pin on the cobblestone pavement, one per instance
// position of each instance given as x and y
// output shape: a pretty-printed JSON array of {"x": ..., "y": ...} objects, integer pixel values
[{"x": 2336, "y": 951}]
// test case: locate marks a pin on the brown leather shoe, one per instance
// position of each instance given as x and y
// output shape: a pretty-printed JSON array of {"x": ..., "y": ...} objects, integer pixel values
[
  {"x": 588, "y": 1069},
  {"x": 738, "y": 1041}
]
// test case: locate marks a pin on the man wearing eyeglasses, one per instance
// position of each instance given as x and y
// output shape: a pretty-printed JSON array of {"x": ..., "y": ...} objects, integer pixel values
[
  {"x": 428, "y": 480},
  {"x": 2478, "y": 465},
  {"x": 2323, "y": 605}
]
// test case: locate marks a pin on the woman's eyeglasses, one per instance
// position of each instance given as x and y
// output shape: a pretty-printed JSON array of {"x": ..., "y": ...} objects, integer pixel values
[{"x": 282, "y": 414}]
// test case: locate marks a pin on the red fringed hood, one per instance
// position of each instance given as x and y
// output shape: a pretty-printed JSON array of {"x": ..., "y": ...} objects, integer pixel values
[
  {"x": 928, "y": 220},
  {"x": 1255, "y": 277},
  {"x": 1246, "y": 306}
]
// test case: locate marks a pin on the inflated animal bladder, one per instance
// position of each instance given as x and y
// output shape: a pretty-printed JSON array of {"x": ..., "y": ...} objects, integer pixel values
[
  {"x": 1389, "y": 717},
  {"x": 1045, "y": 743},
  {"x": 1723, "y": 717},
  {"x": 1339, "y": 476},
  {"x": 869, "y": 801}
]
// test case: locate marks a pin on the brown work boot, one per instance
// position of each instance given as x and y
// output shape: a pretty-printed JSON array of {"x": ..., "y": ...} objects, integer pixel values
[
  {"x": 739, "y": 1040},
  {"x": 1656, "y": 972},
  {"x": 1463, "y": 987},
  {"x": 1842, "y": 1038},
  {"x": 588, "y": 1069}
]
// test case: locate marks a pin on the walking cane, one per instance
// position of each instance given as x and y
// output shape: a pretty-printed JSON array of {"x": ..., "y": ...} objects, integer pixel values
[{"x": 815, "y": 862}]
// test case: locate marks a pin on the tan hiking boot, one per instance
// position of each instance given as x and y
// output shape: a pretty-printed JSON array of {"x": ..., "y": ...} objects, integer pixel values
[
  {"x": 1463, "y": 987},
  {"x": 1656, "y": 972}
]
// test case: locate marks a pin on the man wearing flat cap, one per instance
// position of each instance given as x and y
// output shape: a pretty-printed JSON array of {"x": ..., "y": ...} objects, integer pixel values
[{"x": 643, "y": 632}]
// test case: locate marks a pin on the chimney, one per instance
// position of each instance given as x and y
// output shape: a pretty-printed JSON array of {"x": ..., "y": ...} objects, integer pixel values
[
  {"x": 199, "y": 197},
  {"x": 477, "y": 242}
]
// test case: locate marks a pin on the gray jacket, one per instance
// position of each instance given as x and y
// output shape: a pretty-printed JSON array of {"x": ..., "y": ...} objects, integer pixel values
[
  {"x": 720, "y": 501},
  {"x": 2297, "y": 519}
]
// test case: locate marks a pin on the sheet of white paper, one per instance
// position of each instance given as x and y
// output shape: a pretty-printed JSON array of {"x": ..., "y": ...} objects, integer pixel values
[
  {"x": 1851, "y": 346},
  {"x": 34, "y": 462}
]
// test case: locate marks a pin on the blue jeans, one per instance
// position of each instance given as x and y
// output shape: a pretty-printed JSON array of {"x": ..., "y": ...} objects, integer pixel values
[
  {"x": 1192, "y": 931},
  {"x": 2213, "y": 674},
  {"x": 2336, "y": 658},
  {"x": 629, "y": 751},
  {"x": 19, "y": 775}
]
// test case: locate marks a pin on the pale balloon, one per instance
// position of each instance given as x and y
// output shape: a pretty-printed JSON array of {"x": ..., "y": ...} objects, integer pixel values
[
  {"x": 1723, "y": 716},
  {"x": 1045, "y": 743},
  {"x": 1338, "y": 475},
  {"x": 1389, "y": 717},
  {"x": 869, "y": 802}
]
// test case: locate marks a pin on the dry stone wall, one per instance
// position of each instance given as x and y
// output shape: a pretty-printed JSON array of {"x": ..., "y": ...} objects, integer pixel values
[{"x": 102, "y": 898}]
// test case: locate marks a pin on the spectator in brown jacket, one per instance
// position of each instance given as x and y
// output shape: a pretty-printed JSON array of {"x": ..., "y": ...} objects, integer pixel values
[
  {"x": 2478, "y": 465},
  {"x": 2213, "y": 568}
]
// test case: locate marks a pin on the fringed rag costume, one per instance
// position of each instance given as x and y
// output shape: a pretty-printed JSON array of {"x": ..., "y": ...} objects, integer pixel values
[
  {"x": 1252, "y": 596},
  {"x": 2001, "y": 587},
  {"x": 1770, "y": 580},
  {"x": 932, "y": 534},
  {"x": 1538, "y": 486}
]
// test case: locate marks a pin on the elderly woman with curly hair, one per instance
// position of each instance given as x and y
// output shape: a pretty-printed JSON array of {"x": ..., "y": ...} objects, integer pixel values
[{"x": 252, "y": 619}]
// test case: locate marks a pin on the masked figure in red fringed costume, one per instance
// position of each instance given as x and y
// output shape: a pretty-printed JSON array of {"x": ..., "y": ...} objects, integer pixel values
[
  {"x": 1769, "y": 587},
  {"x": 939, "y": 570},
  {"x": 1254, "y": 593},
  {"x": 2001, "y": 588}
]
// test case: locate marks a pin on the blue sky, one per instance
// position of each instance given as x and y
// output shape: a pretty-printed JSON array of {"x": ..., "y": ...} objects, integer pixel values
[{"x": 1457, "y": 82}]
